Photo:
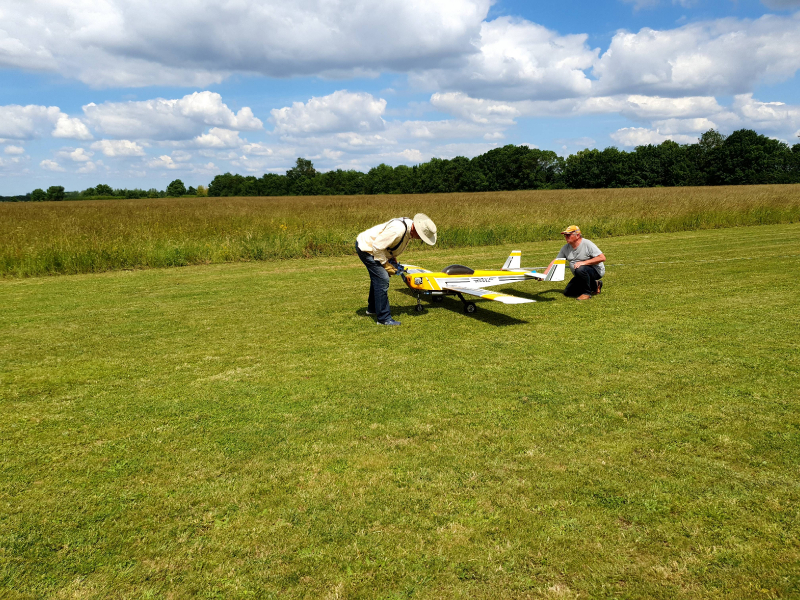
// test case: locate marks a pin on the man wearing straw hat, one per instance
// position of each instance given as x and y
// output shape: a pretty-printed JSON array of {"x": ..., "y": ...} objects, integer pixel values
[
  {"x": 379, "y": 247},
  {"x": 586, "y": 262}
]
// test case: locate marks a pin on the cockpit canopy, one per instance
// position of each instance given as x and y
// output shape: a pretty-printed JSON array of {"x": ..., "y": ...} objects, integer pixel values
[{"x": 457, "y": 270}]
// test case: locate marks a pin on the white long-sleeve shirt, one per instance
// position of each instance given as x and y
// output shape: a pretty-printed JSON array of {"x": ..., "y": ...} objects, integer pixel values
[{"x": 377, "y": 240}]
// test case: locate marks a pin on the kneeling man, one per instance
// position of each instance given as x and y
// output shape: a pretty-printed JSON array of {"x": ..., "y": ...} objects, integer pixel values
[{"x": 586, "y": 262}]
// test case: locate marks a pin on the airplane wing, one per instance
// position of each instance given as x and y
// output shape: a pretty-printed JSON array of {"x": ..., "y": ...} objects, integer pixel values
[{"x": 489, "y": 295}]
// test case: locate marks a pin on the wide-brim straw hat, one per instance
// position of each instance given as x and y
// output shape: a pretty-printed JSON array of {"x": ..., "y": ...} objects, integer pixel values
[{"x": 425, "y": 228}]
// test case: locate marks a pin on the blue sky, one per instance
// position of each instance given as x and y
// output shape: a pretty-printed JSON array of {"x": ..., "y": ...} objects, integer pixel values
[{"x": 137, "y": 94}]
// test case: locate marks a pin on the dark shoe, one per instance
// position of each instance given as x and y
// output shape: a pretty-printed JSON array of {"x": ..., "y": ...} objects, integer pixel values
[
  {"x": 599, "y": 286},
  {"x": 584, "y": 297},
  {"x": 389, "y": 322}
]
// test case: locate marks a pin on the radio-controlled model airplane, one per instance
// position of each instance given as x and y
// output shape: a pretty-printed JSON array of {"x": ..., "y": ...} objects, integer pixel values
[{"x": 457, "y": 280}]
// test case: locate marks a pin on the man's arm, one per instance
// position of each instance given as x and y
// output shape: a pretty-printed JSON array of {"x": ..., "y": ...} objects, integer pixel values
[{"x": 592, "y": 261}]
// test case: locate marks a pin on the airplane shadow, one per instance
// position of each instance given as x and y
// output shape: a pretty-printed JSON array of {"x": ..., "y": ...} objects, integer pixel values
[{"x": 484, "y": 314}]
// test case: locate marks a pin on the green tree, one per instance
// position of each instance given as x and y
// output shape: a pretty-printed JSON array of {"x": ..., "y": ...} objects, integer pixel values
[
  {"x": 176, "y": 189},
  {"x": 303, "y": 168},
  {"x": 104, "y": 190},
  {"x": 746, "y": 158},
  {"x": 38, "y": 195},
  {"x": 300, "y": 177},
  {"x": 404, "y": 179},
  {"x": 191, "y": 191},
  {"x": 55, "y": 193},
  {"x": 379, "y": 180},
  {"x": 710, "y": 140}
]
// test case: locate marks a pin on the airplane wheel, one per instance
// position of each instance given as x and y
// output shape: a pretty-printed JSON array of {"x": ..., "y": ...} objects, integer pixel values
[
  {"x": 419, "y": 308},
  {"x": 470, "y": 307}
]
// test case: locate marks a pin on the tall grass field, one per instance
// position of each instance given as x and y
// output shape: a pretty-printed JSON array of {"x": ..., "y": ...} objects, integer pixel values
[
  {"x": 246, "y": 431},
  {"x": 94, "y": 236}
]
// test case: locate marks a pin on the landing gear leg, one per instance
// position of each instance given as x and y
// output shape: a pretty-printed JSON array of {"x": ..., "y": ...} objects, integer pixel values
[
  {"x": 419, "y": 307},
  {"x": 469, "y": 307}
]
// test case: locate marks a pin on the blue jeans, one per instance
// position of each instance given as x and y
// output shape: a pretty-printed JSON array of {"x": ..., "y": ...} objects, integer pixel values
[
  {"x": 378, "y": 301},
  {"x": 584, "y": 282}
]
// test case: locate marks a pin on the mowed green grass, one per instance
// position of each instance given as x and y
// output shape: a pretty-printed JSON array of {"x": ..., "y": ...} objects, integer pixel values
[{"x": 245, "y": 431}]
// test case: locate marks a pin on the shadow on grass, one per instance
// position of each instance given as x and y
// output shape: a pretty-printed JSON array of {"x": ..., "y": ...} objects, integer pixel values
[
  {"x": 540, "y": 296},
  {"x": 453, "y": 304},
  {"x": 484, "y": 312}
]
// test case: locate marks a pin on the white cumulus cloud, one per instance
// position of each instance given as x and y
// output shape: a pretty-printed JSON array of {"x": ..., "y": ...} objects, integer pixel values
[
  {"x": 725, "y": 56},
  {"x": 72, "y": 128},
  {"x": 641, "y": 136},
  {"x": 341, "y": 111},
  {"x": 77, "y": 155},
  {"x": 33, "y": 121},
  {"x": 476, "y": 109},
  {"x": 517, "y": 59},
  {"x": 116, "y": 148},
  {"x": 51, "y": 165},
  {"x": 162, "y": 162},
  {"x": 161, "y": 119},
  {"x": 219, "y": 138},
  {"x": 198, "y": 42},
  {"x": 674, "y": 126},
  {"x": 766, "y": 117}
]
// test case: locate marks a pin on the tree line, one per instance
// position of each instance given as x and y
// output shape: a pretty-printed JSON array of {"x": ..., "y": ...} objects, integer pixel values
[
  {"x": 743, "y": 157},
  {"x": 103, "y": 191}
]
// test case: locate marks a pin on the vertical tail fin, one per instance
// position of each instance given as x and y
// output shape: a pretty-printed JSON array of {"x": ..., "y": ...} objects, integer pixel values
[
  {"x": 556, "y": 269},
  {"x": 513, "y": 261}
]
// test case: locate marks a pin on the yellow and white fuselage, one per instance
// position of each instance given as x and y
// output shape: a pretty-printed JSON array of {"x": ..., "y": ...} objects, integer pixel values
[{"x": 459, "y": 280}]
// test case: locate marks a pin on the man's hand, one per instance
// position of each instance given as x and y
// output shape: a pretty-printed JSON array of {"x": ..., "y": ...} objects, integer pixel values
[{"x": 390, "y": 269}]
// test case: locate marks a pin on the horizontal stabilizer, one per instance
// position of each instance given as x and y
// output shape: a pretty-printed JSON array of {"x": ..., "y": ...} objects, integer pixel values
[{"x": 489, "y": 295}]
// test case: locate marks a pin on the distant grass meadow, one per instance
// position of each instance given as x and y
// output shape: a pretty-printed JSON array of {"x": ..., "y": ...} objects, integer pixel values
[
  {"x": 246, "y": 431},
  {"x": 95, "y": 236}
]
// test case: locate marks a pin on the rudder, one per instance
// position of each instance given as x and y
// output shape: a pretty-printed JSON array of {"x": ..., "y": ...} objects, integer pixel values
[
  {"x": 556, "y": 270},
  {"x": 513, "y": 261}
]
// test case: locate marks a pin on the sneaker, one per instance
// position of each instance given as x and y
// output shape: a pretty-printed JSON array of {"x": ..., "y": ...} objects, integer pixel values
[
  {"x": 389, "y": 322},
  {"x": 584, "y": 297},
  {"x": 371, "y": 314},
  {"x": 599, "y": 286}
]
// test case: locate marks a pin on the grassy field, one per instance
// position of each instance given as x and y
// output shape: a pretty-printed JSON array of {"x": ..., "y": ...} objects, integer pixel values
[
  {"x": 245, "y": 431},
  {"x": 94, "y": 236}
]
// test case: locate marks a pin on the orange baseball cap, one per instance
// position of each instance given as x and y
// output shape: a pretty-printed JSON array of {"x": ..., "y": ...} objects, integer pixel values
[{"x": 572, "y": 229}]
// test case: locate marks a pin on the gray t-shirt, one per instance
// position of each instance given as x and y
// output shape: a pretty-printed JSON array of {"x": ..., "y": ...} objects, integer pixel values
[{"x": 585, "y": 250}]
